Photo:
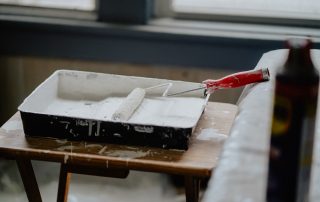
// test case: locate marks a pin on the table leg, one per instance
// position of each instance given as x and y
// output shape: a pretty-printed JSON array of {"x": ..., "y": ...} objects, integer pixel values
[
  {"x": 192, "y": 186},
  {"x": 67, "y": 169},
  {"x": 29, "y": 180},
  {"x": 64, "y": 181}
]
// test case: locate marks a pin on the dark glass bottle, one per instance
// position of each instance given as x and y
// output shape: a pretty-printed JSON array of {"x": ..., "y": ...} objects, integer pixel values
[{"x": 293, "y": 126}]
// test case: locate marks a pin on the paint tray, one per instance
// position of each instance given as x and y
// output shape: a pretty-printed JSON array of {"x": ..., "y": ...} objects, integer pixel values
[{"x": 77, "y": 105}]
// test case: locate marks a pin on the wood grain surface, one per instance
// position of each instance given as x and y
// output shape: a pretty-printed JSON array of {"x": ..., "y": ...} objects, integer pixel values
[{"x": 199, "y": 160}]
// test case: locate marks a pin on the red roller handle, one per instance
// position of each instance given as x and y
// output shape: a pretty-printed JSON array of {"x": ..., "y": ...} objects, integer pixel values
[{"x": 238, "y": 79}]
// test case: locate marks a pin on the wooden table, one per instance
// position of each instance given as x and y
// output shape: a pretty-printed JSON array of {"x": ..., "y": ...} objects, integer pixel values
[{"x": 112, "y": 160}]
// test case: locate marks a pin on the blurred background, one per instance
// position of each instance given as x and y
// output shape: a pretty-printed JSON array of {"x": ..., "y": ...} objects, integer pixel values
[{"x": 190, "y": 40}]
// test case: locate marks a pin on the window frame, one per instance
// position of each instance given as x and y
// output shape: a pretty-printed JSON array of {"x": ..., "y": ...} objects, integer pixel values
[{"x": 16, "y": 10}]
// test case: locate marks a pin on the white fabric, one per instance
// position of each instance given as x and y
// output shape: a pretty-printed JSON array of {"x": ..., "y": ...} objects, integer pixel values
[{"x": 242, "y": 170}]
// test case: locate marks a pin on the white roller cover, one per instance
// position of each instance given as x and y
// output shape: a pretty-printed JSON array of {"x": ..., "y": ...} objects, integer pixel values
[{"x": 129, "y": 105}]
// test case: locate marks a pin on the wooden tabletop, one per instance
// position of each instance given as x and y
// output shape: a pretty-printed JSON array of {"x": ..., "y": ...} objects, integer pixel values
[{"x": 198, "y": 160}]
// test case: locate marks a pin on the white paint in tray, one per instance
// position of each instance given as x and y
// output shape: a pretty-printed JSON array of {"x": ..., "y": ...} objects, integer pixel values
[{"x": 163, "y": 111}]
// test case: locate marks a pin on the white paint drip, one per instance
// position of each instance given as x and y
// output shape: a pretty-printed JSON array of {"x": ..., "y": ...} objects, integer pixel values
[
  {"x": 61, "y": 141},
  {"x": 98, "y": 128},
  {"x": 68, "y": 148},
  {"x": 212, "y": 135},
  {"x": 177, "y": 150},
  {"x": 126, "y": 154},
  {"x": 65, "y": 122},
  {"x": 127, "y": 126},
  {"x": 128, "y": 147},
  {"x": 144, "y": 129},
  {"x": 72, "y": 147},
  {"x": 82, "y": 123},
  {"x": 90, "y": 127},
  {"x": 12, "y": 125},
  {"x": 71, "y": 132},
  {"x": 117, "y": 135},
  {"x": 93, "y": 146}
]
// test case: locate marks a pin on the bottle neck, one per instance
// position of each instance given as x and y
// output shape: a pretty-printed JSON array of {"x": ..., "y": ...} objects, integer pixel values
[{"x": 299, "y": 60}]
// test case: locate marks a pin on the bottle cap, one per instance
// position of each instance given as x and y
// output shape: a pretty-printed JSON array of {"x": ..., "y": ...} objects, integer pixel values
[{"x": 297, "y": 43}]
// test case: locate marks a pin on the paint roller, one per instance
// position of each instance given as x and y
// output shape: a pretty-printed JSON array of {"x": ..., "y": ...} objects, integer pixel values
[
  {"x": 129, "y": 105},
  {"x": 133, "y": 101}
]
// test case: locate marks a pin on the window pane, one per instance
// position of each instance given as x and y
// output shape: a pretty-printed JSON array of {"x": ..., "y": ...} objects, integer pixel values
[
  {"x": 86, "y": 5},
  {"x": 304, "y": 9}
]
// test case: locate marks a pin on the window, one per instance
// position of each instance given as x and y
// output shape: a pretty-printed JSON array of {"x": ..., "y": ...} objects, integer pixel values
[
  {"x": 85, "y": 5},
  {"x": 250, "y": 10}
]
